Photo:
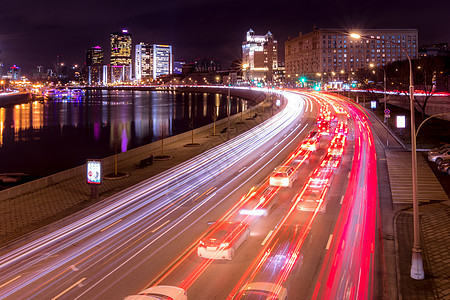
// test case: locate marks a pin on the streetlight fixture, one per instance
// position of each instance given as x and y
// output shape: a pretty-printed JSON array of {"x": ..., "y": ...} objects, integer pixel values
[{"x": 417, "y": 271}]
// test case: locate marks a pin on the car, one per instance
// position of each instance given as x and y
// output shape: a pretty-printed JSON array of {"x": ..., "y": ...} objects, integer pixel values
[
  {"x": 324, "y": 128},
  {"x": 261, "y": 205},
  {"x": 310, "y": 144},
  {"x": 160, "y": 292},
  {"x": 342, "y": 129},
  {"x": 336, "y": 148},
  {"x": 312, "y": 134},
  {"x": 444, "y": 167},
  {"x": 223, "y": 240},
  {"x": 438, "y": 157},
  {"x": 261, "y": 290},
  {"x": 440, "y": 148},
  {"x": 314, "y": 193},
  {"x": 283, "y": 176},
  {"x": 330, "y": 161},
  {"x": 286, "y": 252}
]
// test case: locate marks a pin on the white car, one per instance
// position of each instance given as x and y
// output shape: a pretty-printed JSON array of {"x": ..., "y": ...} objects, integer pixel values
[
  {"x": 438, "y": 157},
  {"x": 223, "y": 241},
  {"x": 261, "y": 205},
  {"x": 160, "y": 292},
  {"x": 283, "y": 176},
  {"x": 440, "y": 148},
  {"x": 261, "y": 290}
]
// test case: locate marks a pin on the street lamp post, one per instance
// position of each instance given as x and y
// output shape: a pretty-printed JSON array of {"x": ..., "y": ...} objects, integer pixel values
[
  {"x": 417, "y": 271},
  {"x": 384, "y": 100}
]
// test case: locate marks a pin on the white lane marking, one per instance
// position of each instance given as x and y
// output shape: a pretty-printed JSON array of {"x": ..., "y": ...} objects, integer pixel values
[
  {"x": 342, "y": 199},
  {"x": 275, "y": 144},
  {"x": 262, "y": 154},
  {"x": 109, "y": 226},
  {"x": 192, "y": 197},
  {"x": 329, "y": 242},
  {"x": 74, "y": 268},
  {"x": 156, "y": 229},
  {"x": 69, "y": 288},
  {"x": 210, "y": 191},
  {"x": 242, "y": 169},
  {"x": 267, "y": 237},
  {"x": 6, "y": 283}
]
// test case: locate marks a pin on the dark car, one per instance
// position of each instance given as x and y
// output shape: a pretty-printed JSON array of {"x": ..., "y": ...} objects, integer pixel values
[{"x": 444, "y": 167}]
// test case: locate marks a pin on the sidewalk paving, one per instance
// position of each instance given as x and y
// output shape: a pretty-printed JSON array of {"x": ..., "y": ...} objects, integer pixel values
[{"x": 435, "y": 242}]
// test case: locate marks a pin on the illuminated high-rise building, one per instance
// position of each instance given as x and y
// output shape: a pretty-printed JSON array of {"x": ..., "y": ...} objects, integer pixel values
[
  {"x": 259, "y": 57},
  {"x": 333, "y": 54},
  {"x": 161, "y": 60},
  {"x": 94, "y": 62},
  {"x": 94, "y": 56},
  {"x": 178, "y": 66},
  {"x": 142, "y": 66},
  {"x": 14, "y": 73},
  {"x": 152, "y": 61},
  {"x": 121, "y": 56}
]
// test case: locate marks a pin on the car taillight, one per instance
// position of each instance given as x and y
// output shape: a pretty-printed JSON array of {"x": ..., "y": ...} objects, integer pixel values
[
  {"x": 201, "y": 243},
  {"x": 223, "y": 245}
]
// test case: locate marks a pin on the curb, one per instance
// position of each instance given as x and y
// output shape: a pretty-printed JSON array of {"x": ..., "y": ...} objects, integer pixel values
[{"x": 397, "y": 264}]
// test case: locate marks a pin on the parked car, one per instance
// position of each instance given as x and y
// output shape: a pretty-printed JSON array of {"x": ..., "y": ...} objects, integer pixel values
[
  {"x": 261, "y": 290},
  {"x": 160, "y": 292},
  {"x": 438, "y": 157},
  {"x": 223, "y": 241},
  {"x": 283, "y": 176},
  {"x": 444, "y": 167},
  {"x": 441, "y": 148}
]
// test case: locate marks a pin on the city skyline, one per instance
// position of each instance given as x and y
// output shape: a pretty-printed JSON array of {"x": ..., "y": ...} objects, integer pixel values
[{"x": 32, "y": 35}]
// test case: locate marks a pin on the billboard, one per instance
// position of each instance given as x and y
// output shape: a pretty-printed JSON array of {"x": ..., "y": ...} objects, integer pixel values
[
  {"x": 401, "y": 121},
  {"x": 94, "y": 171}
]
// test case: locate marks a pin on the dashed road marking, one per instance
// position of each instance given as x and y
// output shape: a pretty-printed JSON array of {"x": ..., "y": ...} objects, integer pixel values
[
  {"x": 267, "y": 237},
  {"x": 69, "y": 288},
  {"x": 329, "y": 242}
]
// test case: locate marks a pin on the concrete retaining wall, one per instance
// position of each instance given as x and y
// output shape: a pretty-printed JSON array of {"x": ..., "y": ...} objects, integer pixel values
[
  {"x": 435, "y": 105},
  {"x": 145, "y": 150}
]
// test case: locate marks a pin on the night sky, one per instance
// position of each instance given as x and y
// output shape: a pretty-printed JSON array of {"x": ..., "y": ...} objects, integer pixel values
[{"x": 34, "y": 32}]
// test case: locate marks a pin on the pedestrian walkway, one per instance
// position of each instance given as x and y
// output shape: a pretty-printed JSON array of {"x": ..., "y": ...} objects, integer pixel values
[
  {"x": 435, "y": 242},
  {"x": 400, "y": 175}
]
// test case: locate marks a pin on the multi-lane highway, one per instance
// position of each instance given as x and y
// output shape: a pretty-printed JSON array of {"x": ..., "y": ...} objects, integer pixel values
[{"x": 149, "y": 234}]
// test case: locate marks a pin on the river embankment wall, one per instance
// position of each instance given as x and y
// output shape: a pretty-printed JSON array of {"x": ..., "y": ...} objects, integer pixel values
[{"x": 15, "y": 98}]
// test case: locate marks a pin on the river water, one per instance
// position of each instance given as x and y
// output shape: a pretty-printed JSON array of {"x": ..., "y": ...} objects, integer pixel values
[{"x": 42, "y": 138}]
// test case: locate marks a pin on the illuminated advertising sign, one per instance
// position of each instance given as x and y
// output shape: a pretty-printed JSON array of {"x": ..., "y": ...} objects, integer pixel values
[
  {"x": 278, "y": 102},
  {"x": 373, "y": 104},
  {"x": 94, "y": 171},
  {"x": 401, "y": 121}
]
